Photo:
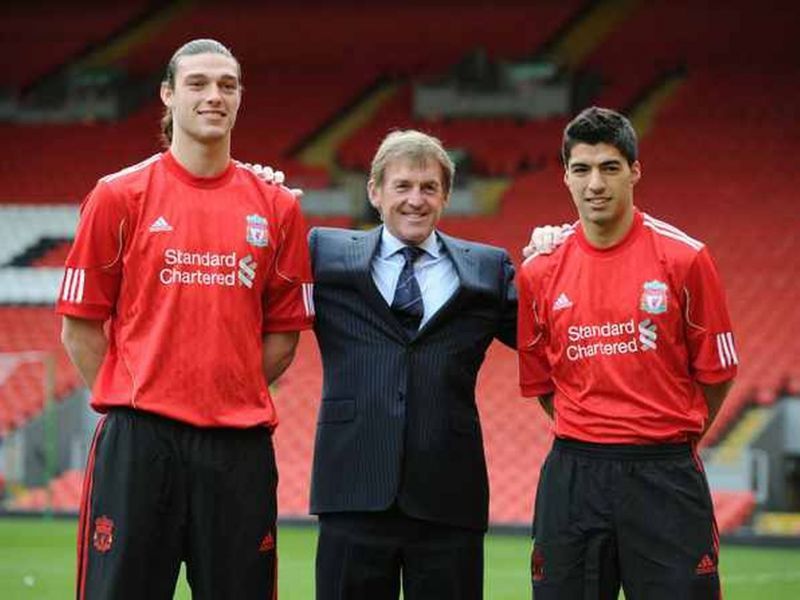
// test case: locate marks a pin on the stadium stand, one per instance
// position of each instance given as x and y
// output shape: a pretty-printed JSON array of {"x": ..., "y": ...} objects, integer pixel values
[
  {"x": 49, "y": 34},
  {"x": 691, "y": 37},
  {"x": 497, "y": 146},
  {"x": 292, "y": 88},
  {"x": 732, "y": 509},
  {"x": 712, "y": 164},
  {"x": 62, "y": 494},
  {"x": 27, "y": 333}
]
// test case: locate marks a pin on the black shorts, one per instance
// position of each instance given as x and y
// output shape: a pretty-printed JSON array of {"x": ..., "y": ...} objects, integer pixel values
[
  {"x": 638, "y": 516},
  {"x": 158, "y": 492}
]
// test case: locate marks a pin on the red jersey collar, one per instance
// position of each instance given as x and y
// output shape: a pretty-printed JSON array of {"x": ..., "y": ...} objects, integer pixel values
[
  {"x": 630, "y": 237},
  {"x": 202, "y": 182}
]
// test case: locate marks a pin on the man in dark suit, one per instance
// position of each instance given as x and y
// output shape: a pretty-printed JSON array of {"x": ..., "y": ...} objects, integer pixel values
[{"x": 404, "y": 317}]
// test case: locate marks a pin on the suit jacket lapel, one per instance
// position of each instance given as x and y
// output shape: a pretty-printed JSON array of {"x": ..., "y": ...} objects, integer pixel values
[
  {"x": 466, "y": 267},
  {"x": 359, "y": 262},
  {"x": 465, "y": 263}
]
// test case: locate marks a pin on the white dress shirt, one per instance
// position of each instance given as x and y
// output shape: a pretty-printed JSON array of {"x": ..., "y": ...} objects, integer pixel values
[{"x": 434, "y": 270}]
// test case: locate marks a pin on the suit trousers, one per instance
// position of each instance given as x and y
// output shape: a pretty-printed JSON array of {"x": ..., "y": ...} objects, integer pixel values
[{"x": 367, "y": 556}]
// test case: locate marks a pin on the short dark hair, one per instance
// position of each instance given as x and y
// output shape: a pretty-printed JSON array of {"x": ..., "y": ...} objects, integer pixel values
[
  {"x": 600, "y": 126},
  {"x": 199, "y": 46}
]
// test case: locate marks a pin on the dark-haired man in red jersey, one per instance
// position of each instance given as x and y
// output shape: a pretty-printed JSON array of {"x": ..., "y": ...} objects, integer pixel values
[{"x": 625, "y": 339}]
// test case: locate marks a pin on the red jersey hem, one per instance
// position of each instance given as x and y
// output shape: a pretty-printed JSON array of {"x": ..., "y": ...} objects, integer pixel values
[
  {"x": 84, "y": 312},
  {"x": 103, "y": 407},
  {"x": 532, "y": 390},
  {"x": 632, "y": 440},
  {"x": 712, "y": 377},
  {"x": 282, "y": 326}
]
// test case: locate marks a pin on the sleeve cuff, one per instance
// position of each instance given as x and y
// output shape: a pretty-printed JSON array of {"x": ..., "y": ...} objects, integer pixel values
[
  {"x": 287, "y": 325},
  {"x": 712, "y": 377},
  {"x": 532, "y": 390},
  {"x": 91, "y": 313}
]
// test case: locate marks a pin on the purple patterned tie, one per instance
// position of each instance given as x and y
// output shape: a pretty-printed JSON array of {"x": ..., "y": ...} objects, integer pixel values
[{"x": 407, "y": 303}]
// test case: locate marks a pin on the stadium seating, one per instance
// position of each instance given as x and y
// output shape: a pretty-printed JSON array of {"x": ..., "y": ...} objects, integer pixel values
[
  {"x": 50, "y": 33},
  {"x": 713, "y": 166},
  {"x": 691, "y": 36},
  {"x": 292, "y": 87},
  {"x": 496, "y": 147},
  {"x": 732, "y": 509},
  {"x": 26, "y": 332},
  {"x": 62, "y": 494}
]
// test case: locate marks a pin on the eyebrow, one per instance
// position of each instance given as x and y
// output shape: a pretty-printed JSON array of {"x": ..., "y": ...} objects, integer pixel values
[
  {"x": 225, "y": 76},
  {"x": 605, "y": 163},
  {"x": 408, "y": 181}
]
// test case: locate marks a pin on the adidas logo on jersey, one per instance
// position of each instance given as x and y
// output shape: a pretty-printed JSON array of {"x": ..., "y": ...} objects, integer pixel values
[
  {"x": 561, "y": 302},
  {"x": 159, "y": 225}
]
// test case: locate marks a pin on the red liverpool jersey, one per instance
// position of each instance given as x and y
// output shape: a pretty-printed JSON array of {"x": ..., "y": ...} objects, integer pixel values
[
  {"x": 190, "y": 272},
  {"x": 624, "y": 335}
]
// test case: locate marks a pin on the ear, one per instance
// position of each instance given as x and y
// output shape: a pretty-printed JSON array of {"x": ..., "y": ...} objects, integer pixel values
[
  {"x": 636, "y": 172},
  {"x": 166, "y": 95},
  {"x": 373, "y": 193},
  {"x": 566, "y": 176}
]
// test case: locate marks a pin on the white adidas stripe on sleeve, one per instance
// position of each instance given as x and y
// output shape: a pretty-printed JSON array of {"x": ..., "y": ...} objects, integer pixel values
[
  {"x": 731, "y": 347},
  {"x": 74, "y": 282},
  {"x": 726, "y": 350},
  {"x": 66, "y": 284},
  {"x": 308, "y": 298}
]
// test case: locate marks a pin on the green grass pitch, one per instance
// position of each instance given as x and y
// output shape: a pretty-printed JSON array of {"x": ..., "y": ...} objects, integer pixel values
[{"x": 37, "y": 560}]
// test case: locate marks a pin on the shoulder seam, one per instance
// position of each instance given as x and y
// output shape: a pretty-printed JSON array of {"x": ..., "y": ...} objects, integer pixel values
[
  {"x": 669, "y": 231},
  {"x": 131, "y": 169}
]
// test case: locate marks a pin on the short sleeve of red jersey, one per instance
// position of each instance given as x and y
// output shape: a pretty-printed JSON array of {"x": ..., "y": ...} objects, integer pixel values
[
  {"x": 289, "y": 296},
  {"x": 93, "y": 269},
  {"x": 532, "y": 335},
  {"x": 712, "y": 350}
]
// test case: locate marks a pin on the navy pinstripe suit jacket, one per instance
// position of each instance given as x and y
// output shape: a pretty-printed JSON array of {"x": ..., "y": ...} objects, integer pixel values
[{"x": 398, "y": 421}]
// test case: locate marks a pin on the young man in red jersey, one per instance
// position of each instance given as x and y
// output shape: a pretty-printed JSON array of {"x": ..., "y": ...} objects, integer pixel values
[
  {"x": 183, "y": 297},
  {"x": 625, "y": 339}
]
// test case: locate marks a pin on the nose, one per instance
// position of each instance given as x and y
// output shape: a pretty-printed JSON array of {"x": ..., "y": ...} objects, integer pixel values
[
  {"x": 596, "y": 182},
  {"x": 414, "y": 196},
  {"x": 214, "y": 94}
]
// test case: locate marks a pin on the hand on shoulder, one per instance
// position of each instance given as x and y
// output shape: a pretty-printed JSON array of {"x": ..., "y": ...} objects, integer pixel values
[
  {"x": 545, "y": 239},
  {"x": 273, "y": 176}
]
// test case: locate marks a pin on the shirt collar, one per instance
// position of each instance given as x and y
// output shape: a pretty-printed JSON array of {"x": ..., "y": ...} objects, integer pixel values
[{"x": 391, "y": 245}]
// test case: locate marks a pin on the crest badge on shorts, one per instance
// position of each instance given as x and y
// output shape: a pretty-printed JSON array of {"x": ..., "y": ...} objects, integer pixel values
[
  {"x": 103, "y": 536},
  {"x": 654, "y": 297},
  {"x": 257, "y": 232}
]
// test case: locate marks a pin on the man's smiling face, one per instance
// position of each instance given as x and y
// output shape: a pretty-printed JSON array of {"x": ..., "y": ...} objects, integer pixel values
[
  {"x": 410, "y": 199},
  {"x": 206, "y": 96}
]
